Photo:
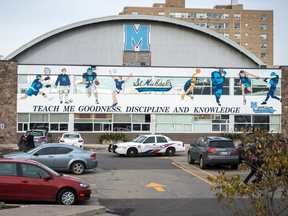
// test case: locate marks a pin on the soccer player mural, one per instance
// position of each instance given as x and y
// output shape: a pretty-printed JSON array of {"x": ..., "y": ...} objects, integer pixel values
[
  {"x": 244, "y": 83},
  {"x": 64, "y": 85},
  {"x": 90, "y": 81},
  {"x": 189, "y": 85},
  {"x": 273, "y": 81},
  {"x": 36, "y": 86},
  {"x": 119, "y": 82},
  {"x": 218, "y": 78}
]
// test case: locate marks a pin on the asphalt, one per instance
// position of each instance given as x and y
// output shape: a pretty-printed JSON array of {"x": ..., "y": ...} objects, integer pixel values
[{"x": 57, "y": 210}]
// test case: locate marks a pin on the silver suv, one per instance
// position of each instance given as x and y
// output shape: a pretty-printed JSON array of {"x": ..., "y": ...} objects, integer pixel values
[
  {"x": 40, "y": 137},
  {"x": 212, "y": 151}
]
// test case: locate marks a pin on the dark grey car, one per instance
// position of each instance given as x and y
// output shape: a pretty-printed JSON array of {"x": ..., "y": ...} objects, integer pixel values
[
  {"x": 212, "y": 151},
  {"x": 60, "y": 157}
]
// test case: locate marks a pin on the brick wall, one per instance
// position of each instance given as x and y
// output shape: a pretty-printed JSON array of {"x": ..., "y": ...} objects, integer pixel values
[
  {"x": 8, "y": 101},
  {"x": 284, "y": 95}
]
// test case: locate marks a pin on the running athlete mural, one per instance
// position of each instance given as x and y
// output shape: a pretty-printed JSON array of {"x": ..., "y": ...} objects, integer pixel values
[
  {"x": 119, "y": 82},
  {"x": 189, "y": 85},
  {"x": 244, "y": 82},
  {"x": 218, "y": 78},
  {"x": 90, "y": 81},
  {"x": 64, "y": 85},
  {"x": 36, "y": 86},
  {"x": 273, "y": 80}
]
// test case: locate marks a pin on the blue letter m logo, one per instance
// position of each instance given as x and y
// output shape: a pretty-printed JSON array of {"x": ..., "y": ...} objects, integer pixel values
[
  {"x": 137, "y": 37},
  {"x": 254, "y": 105}
]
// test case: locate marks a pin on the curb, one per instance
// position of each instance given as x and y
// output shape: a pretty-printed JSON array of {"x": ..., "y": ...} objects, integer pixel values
[{"x": 55, "y": 210}]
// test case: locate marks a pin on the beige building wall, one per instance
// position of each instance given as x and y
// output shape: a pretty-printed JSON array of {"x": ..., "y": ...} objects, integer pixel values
[{"x": 250, "y": 29}]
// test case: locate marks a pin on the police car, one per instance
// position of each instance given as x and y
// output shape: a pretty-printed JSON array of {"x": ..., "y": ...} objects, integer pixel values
[{"x": 148, "y": 144}]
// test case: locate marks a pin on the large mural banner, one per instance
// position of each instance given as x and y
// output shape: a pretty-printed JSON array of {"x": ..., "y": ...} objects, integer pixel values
[{"x": 79, "y": 89}]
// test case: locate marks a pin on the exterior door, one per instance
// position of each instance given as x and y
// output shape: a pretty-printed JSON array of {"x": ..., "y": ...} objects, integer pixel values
[
  {"x": 63, "y": 156},
  {"x": 9, "y": 182},
  {"x": 148, "y": 145},
  {"x": 34, "y": 186},
  {"x": 45, "y": 156}
]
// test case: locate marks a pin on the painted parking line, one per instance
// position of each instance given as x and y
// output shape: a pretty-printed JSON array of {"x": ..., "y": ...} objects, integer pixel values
[
  {"x": 93, "y": 195},
  {"x": 192, "y": 173},
  {"x": 92, "y": 184}
]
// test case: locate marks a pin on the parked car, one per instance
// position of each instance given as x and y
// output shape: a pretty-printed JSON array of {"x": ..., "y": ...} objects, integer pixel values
[
  {"x": 74, "y": 139},
  {"x": 148, "y": 144},
  {"x": 212, "y": 151},
  {"x": 60, "y": 157},
  {"x": 40, "y": 137},
  {"x": 27, "y": 180}
]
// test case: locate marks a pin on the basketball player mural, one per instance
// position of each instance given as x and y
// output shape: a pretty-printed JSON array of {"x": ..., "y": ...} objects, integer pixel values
[
  {"x": 119, "y": 82},
  {"x": 189, "y": 85},
  {"x": 244, "y": 82}
]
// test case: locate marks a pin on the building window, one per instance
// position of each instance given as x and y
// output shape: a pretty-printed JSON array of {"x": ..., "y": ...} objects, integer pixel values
[
  {"x": 250, "y": 39},
  {"x": 254, "y": 15},
  {"x": 246, "y": 44},
  {"x": 226, "y": 35},
  {"x": 264, "y": 55},
  {"x": 254, "y": 44},
  {"x": 246, "y": 34},
  {"x": 264, "y": 122},
  {"x": 161, "y": 14},
  {"x": 152, "y": 12},
  {"x": 263, "y": 17},
  {"x": 250, "y": 29},
  {"x": 263, "y": 26},
  {"x": 238, "y": 43},
  {"x": 134, "y": 13},
  {"x": 254, "y": 25},
  {"x": 217, "y": 25},
  {"x": 237, "y": 26},
  {"x": 254, "y": 34},
  {"x": 237, "y": 36},
  {"x": 246, "y": 15},
  {"x": 263, "y": 46},
  {"x": 246, "y": 24},
  {"x": 143, "y": 12},
  {"x": 250, "y": 49},
  {"x": 191, "y": 15},
  {"x": 263, "y": 36},
  {"x": 237, "y": 16},
  {"x": 250, "y": 20}
]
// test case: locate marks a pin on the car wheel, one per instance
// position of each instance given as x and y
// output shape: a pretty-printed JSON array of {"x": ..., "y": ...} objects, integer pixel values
[
  {"x": 78, "y": 168},
  {"x": 235, "y": 166},
  {"x": 202, "y": 165},
  {"x": 170, "y": 151},
  {"x": 189, "y": 158},
  {"x": 132, "y": 152},
  {"x": 66, "y": 197}
]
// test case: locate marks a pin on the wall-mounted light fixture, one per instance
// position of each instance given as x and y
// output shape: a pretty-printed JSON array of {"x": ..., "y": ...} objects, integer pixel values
[{"x": 93, "y": 67}]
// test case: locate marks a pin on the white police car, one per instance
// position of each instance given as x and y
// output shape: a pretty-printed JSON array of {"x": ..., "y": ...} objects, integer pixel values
[{"x": 148, "y": 144}]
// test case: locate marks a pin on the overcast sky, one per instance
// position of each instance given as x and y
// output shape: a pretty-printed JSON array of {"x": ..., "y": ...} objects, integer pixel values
[{"x": 24, "y": 20}]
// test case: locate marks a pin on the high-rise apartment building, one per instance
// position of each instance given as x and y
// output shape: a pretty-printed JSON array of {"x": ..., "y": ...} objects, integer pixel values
[{"x": 252, "y": 29}]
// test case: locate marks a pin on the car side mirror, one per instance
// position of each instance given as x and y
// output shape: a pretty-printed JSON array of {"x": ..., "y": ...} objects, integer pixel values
[
  {"x": 47, "y": 177},
  {"x": 192, "y": 145}
]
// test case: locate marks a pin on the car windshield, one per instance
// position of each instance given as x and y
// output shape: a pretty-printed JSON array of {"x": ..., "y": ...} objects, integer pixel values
[
  {"x": 36, "y": 133},
  {"x": 71, "y": 136},
  {"x": 139, "y": 139},
  {"x": 34, "y": 150},
  {"x": 49, "y": 169},
  {"x": 222, "y": 144}
]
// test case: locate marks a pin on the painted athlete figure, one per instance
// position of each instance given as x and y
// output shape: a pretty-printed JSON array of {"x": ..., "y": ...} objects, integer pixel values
[
  {"x": 36, "y": 86},
  {"x": 89, "y": 79},
  {"x": 218, "y": 79},
  {"x": 64, "y": 85},
  {"x": 274, "y": 80},
  {"x": 119, "y": 82},
  {"x": 189, "y": 86},
  {"x": 244, "y": 83}
]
